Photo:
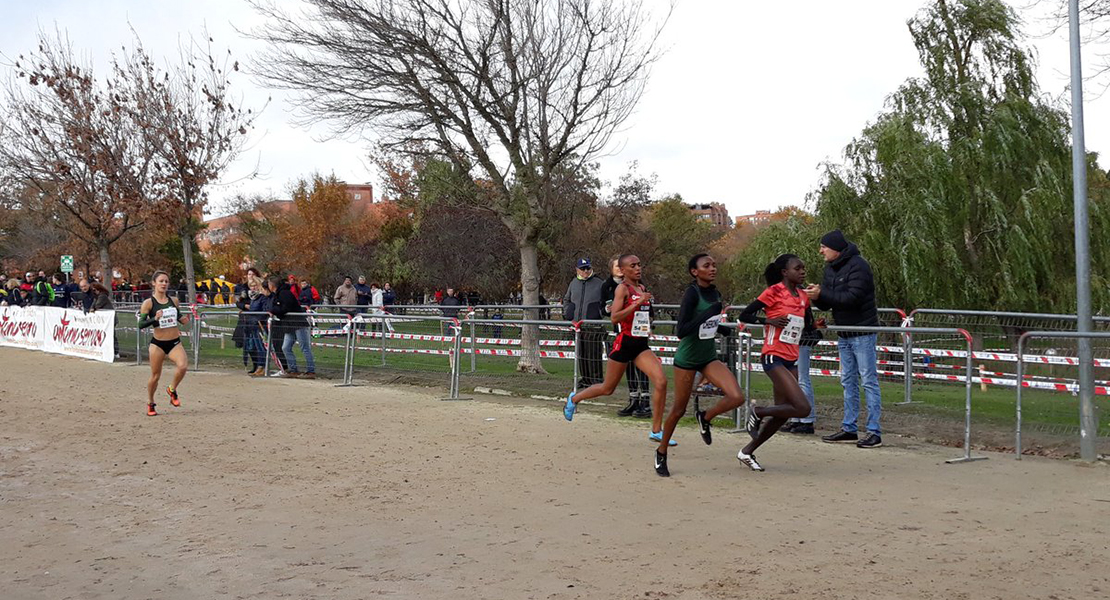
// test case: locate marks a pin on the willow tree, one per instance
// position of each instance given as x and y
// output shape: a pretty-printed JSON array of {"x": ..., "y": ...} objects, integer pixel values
[
  {"x": 510, "y": 91},
  {"x": 960, "y": 192}
]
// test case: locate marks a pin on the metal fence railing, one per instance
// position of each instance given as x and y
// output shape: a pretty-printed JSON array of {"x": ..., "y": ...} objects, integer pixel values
[
  {"x": 1089, "y": 430},
  {"x": 481, "y": 348}
]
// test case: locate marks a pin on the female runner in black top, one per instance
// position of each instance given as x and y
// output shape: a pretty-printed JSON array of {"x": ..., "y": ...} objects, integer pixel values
[
  {"x": 164, "y": 313},
  {"x": 699, "y": 318}
]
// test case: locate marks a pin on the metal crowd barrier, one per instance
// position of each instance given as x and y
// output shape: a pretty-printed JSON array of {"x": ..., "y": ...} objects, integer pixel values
[
  {"x": 740, "y": 356},
  {"x": 1086, "y": 434}
]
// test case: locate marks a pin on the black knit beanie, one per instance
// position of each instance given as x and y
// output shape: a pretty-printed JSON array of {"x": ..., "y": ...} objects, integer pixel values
[{"x": 835, "y": 240}]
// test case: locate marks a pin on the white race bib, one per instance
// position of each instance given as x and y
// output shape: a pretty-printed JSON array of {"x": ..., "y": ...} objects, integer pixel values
[
  {"x": 708, "y": 329},
  {"x": 641, "y": 324},
  {"x": 792, "y": 333},
  {"x": 169, "y": 318}
]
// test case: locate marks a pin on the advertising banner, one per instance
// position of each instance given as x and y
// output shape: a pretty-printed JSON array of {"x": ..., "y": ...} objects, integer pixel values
[
  {"x": 59, "y": 330},
  {"x": 22, "y": 327}
]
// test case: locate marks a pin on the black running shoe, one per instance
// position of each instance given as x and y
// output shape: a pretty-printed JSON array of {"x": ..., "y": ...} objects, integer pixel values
[
  {"x": 873, "y": 440},
  {"x": 840, "y": 437},
  {"x": 753, "y": 424},
  {"x": 789, "y": 427},
  {"x": 704, "y": 427},
  {"x": 629, "y": 408},
  {"x": 661, "y": 464},
  {"x": 802, "y": 428}
]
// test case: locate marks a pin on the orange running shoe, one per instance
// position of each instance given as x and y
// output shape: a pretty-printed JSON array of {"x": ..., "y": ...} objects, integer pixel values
[
  {"x": 150, "y": 412},
  {"x": 173, "y": 397}
]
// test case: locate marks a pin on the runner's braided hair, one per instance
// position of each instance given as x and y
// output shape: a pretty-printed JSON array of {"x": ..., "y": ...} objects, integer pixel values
[{"x": 773, "y": 272}]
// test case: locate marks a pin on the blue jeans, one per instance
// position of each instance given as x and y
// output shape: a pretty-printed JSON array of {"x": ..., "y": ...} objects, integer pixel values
[
  {"x": 301, "y": 337},
  {"x": 858, "y": 361},
  {"x": 805, "y": 383}
]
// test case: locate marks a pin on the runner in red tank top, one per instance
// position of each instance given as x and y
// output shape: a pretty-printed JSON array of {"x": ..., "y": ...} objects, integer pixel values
[
  {"x": 631, "y": 311},
  {"x": 787, "y": 308}
]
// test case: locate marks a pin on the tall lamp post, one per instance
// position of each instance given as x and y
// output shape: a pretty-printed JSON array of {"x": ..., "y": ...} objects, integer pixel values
[{"x": 1088, "y": 424}]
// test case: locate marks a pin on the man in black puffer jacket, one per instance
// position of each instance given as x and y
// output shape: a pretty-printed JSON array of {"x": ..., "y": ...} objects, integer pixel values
[{"x": 848, "y": 289}]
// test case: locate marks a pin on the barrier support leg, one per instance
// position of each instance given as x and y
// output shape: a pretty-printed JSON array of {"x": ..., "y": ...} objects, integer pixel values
[
  {"x": 456, "y": 365},
  {"x": 473, "y": 351},
  {"x": 1020, "y": 381},
  {"x": 738, "y": 364},
  {"x": 907, "y": 370},
  {"x": 967, "y": 457},
  {"x": 196, "y": 342},
  {"x": 138, "y": 346},
  {"x": 577, "y": 354},
  {"x": 268, "y": 348},
  {"x": 348, "y": 358}
]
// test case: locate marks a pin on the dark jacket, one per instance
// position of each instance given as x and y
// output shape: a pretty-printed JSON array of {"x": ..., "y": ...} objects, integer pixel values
[
  {"x": 306, "y": 297},
  {"x": 101, "y": 302},
  {"x": 363, "y": 292},
  {"x": 42, "y": 293},
  {"x": 286, "y": 309},
  {"x": 848, "y": 289},
  {"x": 583, "y": 299},
  {"x": 261, "y": 304},
  {"x": 389, "y": 297},
  {"x": 450, "y": 301}
]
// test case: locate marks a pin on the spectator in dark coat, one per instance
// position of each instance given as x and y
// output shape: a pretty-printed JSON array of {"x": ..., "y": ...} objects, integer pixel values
[
  {"x": 293, "y": 328},
  {"x": 848, "y": 289},
  {"x": 581, "y": 302},
  {"x": 262, "y": 302},
  {"x": 450, "y": 304}
]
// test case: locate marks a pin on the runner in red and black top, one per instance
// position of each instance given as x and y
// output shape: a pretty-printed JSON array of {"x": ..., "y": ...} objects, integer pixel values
[
  {"x": 631, "y": 312},
  {"x": 786, "y": 307}
]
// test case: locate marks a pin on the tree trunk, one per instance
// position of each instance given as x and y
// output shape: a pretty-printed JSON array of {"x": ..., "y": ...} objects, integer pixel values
[
  {"x": 190, "y": 277},
  {"x": 530, "y": 292},
  {"x": 106, "y": 265}
]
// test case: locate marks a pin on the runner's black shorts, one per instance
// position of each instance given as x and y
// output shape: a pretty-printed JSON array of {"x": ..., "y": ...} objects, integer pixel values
[
  {"x": 166, "y": 345},
  {"x": 626, "y": 348},
  {"x": 770, "y": 361}
]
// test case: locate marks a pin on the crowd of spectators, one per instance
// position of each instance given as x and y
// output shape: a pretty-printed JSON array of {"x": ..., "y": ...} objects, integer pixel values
[{"x": 81, "y": 293}]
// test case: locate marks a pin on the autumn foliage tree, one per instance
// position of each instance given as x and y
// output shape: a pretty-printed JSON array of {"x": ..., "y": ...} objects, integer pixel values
[{"x": 73, "y": 139}]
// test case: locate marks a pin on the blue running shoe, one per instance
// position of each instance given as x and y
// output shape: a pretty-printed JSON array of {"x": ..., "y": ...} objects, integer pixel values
[
  {"x": 568, "y": 410},
  {"x": 657, "y": 436}
]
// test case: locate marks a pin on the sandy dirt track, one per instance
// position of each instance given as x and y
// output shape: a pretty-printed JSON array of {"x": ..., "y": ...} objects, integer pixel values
[{"x": 296, "y": 489}]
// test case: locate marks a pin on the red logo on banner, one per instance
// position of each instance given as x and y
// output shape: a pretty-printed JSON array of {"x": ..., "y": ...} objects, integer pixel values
[
  {"x": 77, "y": 336},
  {"x": 18, "y": 329}
]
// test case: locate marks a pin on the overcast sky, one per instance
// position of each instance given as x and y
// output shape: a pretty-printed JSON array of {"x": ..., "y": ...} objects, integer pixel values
[{"x": 748, "y": 102}]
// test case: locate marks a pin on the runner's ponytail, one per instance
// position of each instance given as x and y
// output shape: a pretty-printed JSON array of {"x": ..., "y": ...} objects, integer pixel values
[{"x": 773, "y": 272}]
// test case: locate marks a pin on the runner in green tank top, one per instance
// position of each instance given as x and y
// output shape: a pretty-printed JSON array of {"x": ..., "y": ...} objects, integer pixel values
[{"x": 699, "y": 319}]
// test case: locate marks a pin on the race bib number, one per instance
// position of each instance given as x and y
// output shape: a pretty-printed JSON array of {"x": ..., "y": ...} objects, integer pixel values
[
  {"x": 641, "y": 324},
  {"x": 792, "y": 333},
  {"x": 708, "y": 329},
  {"x": 169, "y": 318}
]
